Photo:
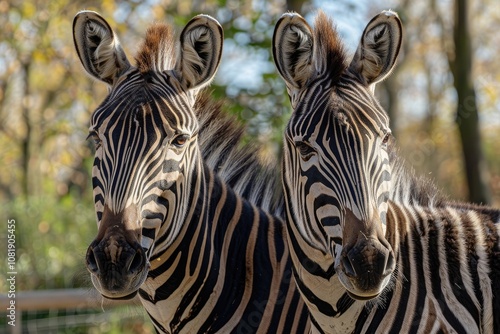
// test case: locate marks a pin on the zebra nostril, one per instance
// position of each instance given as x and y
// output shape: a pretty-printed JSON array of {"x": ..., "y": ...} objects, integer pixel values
[
  {"x": 92, "y": 262},
  {"x": 348, "y": 268},
  {"x": 137, "y": 261}
]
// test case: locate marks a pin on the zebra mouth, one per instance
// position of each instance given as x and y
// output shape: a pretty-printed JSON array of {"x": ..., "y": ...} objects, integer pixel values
[
  {"x": 127, "y": 297},
  {"x": 364, "y": 298}
]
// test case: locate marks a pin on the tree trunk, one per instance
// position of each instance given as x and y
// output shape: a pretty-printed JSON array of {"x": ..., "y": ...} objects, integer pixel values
[
  {"x": 467, "y": 113},
  {"x": 26, "y": 140}
]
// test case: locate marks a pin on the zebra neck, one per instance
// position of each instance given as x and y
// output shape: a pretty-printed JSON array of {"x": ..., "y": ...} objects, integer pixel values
[
  {"x": 332, "y": 310},
  {"x": 209, "y": 276}
]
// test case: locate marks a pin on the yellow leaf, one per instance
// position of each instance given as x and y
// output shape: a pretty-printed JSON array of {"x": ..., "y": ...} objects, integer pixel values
[{"x": 28, "y": 9}]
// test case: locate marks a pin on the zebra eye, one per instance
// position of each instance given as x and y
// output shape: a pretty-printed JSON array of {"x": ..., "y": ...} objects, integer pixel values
[
  {"x": 180, "y": 140},
  {"x": 305, "y": 150},
  {"x": 95, "y": 138},
  {"x": 386, "y": 138}
]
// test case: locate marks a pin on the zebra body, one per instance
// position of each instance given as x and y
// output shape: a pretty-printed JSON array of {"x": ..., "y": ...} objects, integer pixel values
[
  {"x": 199, "y": 239},
  {"x": 375, "y": 249}
]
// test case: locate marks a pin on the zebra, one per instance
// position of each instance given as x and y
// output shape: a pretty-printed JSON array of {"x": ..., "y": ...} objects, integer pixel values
[
  {"x": 187, "y": 219},
  {"x": 375, "y": 248}
]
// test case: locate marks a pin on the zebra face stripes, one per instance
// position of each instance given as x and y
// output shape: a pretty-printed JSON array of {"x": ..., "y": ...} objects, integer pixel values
[
  {"x": 145, "y": 133},
  {"x": 337, "y": 172}
]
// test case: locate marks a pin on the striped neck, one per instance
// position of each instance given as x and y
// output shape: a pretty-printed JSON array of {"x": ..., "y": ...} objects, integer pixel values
[{"x": 211, "y": 277}]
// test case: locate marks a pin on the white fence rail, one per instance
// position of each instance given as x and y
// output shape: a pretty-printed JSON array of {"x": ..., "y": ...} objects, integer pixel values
[{"x": 53, "y": 300}]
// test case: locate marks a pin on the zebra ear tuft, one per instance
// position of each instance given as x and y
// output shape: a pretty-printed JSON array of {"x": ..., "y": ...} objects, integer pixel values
[
  {"x": 378, "y": 49},
  {"x": 293, "y": 50},
  {"x": 200, "y": 51},
  {"x": 98, "y": 47}
]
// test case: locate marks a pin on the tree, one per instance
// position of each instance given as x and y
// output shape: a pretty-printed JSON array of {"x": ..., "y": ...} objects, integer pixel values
[{"x": 467, "y": 117}]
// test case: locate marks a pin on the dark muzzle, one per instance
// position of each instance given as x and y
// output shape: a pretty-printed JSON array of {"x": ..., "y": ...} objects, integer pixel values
[
  {"x": 367, "y": 265},
  {"x": 118, "y": 265}
]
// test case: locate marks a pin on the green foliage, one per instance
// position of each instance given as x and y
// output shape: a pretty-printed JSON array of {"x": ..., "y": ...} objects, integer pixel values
[{"x": 52, "y": 235}]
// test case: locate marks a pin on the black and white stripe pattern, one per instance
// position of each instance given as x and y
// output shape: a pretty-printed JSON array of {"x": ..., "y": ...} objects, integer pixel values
[
  {"x": 186, "y": 217},
  {"x": 374, "y": 248}
]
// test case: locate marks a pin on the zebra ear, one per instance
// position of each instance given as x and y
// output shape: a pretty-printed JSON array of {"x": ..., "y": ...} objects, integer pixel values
[
  {"x": 200, "y": 51},
  {"x": 293, "y": 50},
  {"x": 378, "y": 49},
  {"x": 98, "y": 48}
]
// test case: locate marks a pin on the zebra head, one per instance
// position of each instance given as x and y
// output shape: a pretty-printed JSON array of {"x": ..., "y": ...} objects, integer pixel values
[
  {"x": 145, "y": 135},
  {"x": 337, "y": 174}
]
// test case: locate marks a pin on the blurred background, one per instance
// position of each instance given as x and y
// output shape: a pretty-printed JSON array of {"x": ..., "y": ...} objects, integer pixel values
[{"x": 443, "y": 99}]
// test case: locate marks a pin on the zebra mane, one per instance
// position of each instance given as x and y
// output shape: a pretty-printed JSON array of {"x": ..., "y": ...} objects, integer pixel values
[
  {"x": 157, "y": 52},
  {"x": 330, "y": 55},
  {"x": 410, "y": 189},
  {"x": 239, "y": 165}
]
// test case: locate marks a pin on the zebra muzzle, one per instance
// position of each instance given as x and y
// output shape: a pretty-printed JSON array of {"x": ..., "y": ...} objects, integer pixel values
[
  {"x": 367, "y": 259},
  {"x": 367, "y": 266},
  {"x": 117, "y": 267}
]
